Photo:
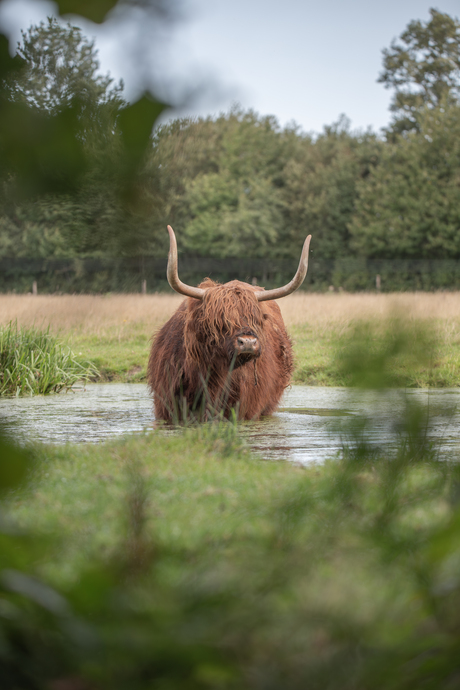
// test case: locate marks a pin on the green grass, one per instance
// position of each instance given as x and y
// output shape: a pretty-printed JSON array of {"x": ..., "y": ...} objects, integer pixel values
[
  {"x": 117, "y": 358},
  {"x": 35, "y": 362},
  {"x": 315, "y": 355},
  {"x": 123, "y": 357},
  {"x": 79, "y": 493},
  {"x": 317, "y": 352},
  {"x": 320, "y": 354}
]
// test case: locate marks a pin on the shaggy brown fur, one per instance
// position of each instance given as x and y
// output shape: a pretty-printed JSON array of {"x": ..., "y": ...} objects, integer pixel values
[{"x": 194, "y": 369}]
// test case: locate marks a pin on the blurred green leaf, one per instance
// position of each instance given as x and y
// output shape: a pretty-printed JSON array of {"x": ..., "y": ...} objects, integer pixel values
[
  {"x": 445, "y": 542},
  {"x": 387, "y": 354},
  {"x": 8, "y": 64},
  {"x": 33, "y": 589},
  {"x": 14, "y": 464},
  {"x": 95, "y": 10},
  {"x": 136, "y": 123},
  {"x": 45, "y": 151}
]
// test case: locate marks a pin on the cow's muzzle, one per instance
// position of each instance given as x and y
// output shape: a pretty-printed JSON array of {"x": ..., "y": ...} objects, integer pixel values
[
  {"x": 247, "y": 345},
  {"x": 244, "y": 348}
]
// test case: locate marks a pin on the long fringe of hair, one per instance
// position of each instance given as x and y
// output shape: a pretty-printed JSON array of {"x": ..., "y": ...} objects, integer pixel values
[{"x": 224, "y": 310}]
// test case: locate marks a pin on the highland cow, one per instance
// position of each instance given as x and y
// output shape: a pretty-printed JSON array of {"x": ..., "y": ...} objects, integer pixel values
[{"x": 225, "y": 348}]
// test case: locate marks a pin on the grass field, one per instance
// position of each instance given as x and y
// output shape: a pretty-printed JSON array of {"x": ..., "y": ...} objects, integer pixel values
[{"x": 114, "y": 331}]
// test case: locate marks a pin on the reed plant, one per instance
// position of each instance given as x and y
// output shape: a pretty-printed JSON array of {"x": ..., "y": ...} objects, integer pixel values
[{"x": 35, "y": 362}]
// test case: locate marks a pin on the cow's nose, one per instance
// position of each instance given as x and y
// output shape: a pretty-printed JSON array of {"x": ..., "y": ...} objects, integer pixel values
[{"x": 246, "y": 343}]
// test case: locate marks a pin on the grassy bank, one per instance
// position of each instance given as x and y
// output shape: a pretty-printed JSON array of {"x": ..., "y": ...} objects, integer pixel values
[{"x": 114, "y": 331}]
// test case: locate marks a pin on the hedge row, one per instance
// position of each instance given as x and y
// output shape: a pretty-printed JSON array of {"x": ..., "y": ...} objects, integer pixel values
[{"x": 129, "y": 275}]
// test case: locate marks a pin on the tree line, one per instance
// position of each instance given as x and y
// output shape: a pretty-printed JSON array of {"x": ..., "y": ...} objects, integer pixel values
[{"x": 239, "y": 185}]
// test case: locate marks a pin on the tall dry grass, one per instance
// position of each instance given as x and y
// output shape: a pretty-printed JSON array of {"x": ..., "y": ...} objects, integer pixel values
[
  {"x": 89, "y": 314},
  {"x": 343, "y": 308}
]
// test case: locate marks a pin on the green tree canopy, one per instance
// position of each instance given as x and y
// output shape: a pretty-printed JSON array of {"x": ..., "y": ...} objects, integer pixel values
[
  {"x": 239, "y": 185},
  {"x": 423, "y": 68},
  {"x": 409, "y": 206},
  {"x": 319, "y": 187},
  {"x": 220, "y": 182}
]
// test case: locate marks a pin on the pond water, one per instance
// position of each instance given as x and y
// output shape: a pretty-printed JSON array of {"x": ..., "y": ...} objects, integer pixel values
[{"x": 309, "y": 426}]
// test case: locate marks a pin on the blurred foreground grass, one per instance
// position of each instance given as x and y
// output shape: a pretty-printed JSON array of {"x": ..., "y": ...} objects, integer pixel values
[
  {"x": 181, "y": 561},
  {"x": 175, "y": 559}
]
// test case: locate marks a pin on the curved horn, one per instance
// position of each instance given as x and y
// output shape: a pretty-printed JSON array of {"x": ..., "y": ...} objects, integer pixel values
[
  {"x": 296, "y": 282},
  {"x": 172, "y": 274}
]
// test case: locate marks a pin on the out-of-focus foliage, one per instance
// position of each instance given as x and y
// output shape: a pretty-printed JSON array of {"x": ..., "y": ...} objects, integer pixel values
[
  {"x": 54, "y": 109},
  {"x": 423, "y": 68},
  {"x": 387, "y": 354},
  {"x": 95, "y": 10},
  {"x": 13, "y": 468},
  {"x": 70, "y": 147},
  {"x": 218, "y": 570}
]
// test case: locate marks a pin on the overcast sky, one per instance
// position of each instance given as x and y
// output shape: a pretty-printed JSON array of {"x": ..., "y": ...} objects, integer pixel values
[{"x": 300, "y": 60}]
